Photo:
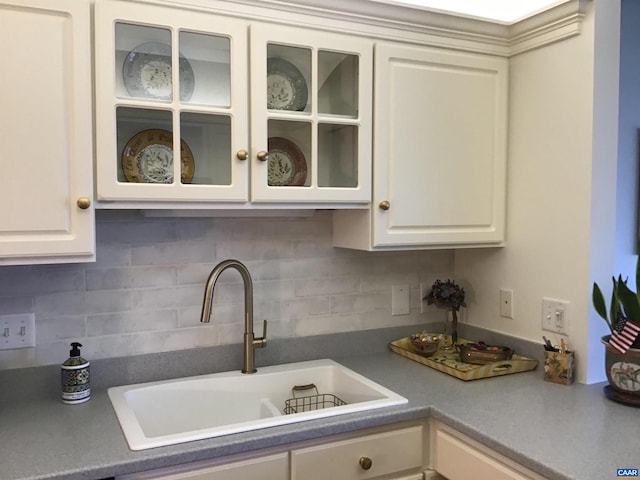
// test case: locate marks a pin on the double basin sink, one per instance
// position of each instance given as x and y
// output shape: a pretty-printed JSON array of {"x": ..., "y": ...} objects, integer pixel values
[{"x": 175, "y": 411}]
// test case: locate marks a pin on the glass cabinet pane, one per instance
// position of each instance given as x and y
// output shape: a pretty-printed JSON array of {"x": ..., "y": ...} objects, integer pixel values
[
  {"x": 145, "y": 145},
  {"x": 208, "y": 139},
  {"x": 337, "y": 155},
  {"x": 338, "y": 84},
  {"x": 289, "y": 154},
  {"x": 207, "y": 81},
  {"x": 288, "y": 78},
  {"x": 143, "y": 62}
]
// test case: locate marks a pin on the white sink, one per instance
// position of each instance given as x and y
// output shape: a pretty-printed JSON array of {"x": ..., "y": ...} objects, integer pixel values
[{"x": 175, "y": 411}]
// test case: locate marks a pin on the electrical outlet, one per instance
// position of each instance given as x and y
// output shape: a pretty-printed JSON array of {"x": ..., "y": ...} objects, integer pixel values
[
  {"x": 17, "y": 331},
  {"x": 506, "y": 303},
  {"x": 555, "y": 316},
  {"x": 400, "y": 300}
]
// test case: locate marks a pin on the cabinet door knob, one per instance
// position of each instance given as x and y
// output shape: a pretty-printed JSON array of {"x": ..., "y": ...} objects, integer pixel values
[
  {"x": 365, "y": 463},
  {"x": 83, "y": 203},
  {"x": 384, "y": 205},
  {"x": 263, "y": 156},
  {"x": 242, "y": 154}
]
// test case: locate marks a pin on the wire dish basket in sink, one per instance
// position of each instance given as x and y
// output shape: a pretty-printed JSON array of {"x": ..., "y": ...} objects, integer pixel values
[{"x": 307, "y": 403}]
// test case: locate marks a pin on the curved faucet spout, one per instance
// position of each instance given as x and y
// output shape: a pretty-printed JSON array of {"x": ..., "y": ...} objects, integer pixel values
[{"x": 250, "y": 341}]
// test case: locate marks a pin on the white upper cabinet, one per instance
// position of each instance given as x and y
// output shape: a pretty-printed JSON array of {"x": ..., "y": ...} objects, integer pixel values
[
  {"x": 178, "y": 80},
  {"x": 168, "y": 76},
  {"x": 440, "y": 146},
  {"x": 311, "y": 110},
  {"x": 46, "y": 211}
]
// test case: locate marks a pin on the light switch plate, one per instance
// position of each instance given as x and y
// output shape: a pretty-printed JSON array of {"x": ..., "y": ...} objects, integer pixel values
[
  {"x": 555, "y": 315},
  {"x": 17, "y": 331}
]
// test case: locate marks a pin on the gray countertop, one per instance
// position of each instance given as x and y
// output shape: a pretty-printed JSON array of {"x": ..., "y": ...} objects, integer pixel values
[{"x": 561, "y": 432}]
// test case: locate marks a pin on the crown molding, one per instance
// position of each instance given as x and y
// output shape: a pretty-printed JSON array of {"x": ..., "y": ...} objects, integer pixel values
[{"x": 406, "y": 24}]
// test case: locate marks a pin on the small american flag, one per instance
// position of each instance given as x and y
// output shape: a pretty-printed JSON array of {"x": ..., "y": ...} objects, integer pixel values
[{"x": 624, "y": 335}]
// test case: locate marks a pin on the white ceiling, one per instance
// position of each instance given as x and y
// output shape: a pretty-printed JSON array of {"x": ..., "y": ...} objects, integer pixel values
[{"x": 503, "y": 11}]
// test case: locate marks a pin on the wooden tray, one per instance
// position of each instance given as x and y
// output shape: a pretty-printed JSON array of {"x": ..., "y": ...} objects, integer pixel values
[{"x": 449, "y": 362}]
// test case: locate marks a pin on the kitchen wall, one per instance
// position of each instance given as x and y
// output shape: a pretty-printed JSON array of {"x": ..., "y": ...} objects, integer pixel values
[
  {"x": 628, "y": 142},
  {"x": 562, "y": 190},
  {"x": 144, "y": 293}
]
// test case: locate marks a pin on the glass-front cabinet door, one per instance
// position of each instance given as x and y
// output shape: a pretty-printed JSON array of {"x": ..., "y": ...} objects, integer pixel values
[
  {"x": 310, "y": 116},
  {"x": 172, "y": 121}
]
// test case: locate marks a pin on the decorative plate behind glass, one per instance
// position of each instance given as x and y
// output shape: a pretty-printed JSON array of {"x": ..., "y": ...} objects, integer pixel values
[
  {"x": 147, "y": 72},
  {"x": 148, "y": 158},
  {"x": 287, "y": 165},
  {"x": 286, "y": 86}
]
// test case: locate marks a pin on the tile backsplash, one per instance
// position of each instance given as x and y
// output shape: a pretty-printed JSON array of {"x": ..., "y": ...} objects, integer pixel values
[{"x": 144, "y": 293}]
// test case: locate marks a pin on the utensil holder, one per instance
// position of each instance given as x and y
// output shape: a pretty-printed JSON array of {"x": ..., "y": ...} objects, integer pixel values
[{"x": 559, "y": 367}]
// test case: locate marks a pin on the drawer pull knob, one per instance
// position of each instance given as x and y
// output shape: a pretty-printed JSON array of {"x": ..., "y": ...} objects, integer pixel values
[
  {"x": 83, "y": 203},
  {"x": 242, "y": 154},
  {"x": 384, "y": 205},
  {"x": 263, "y": 156},
  {"x": 365, "y": 463}
]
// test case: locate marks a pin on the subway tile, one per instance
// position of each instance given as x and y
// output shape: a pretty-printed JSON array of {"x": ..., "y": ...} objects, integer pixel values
[
  {"x": 82, "y": 303},
  {"x": 130, "y": 277},
  {"x": 59, "y": 327},
  {"x": 363, "y": 302},
  {"x": 169, "y": 297},
  {"x": 131, "y": 321},
  {"x": 255, "y": 248},
  {"x": 173, "y": 253},
  {"x": 178, "y": 339},
  {"x": 11, "y": 305},
  {"x": 41, "y": 280},
  {"x": 326, "y": 286},
  {"x": 328, "y": 324},
  {"x": 137, "y": 232}
]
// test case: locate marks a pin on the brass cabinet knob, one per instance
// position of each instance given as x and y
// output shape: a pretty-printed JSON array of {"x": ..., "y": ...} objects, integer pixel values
[
  {"x": 83, "y": 203},
  {"x": 365, "y": 463},
  {"x": 384, "y": 205},
  {"x": 263, "y": 156},
  {"x": 242, "y": 154}
]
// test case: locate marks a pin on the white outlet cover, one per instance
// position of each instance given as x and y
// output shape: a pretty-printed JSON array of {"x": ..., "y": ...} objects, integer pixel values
[{"x": 400, "y": 300}]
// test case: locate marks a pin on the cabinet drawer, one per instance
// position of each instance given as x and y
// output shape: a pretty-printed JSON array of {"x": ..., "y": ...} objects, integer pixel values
[
  {"x": 457, "y": 459},
  {"x": 389, "y": 452},
  {"x": 274, "y": 467}
]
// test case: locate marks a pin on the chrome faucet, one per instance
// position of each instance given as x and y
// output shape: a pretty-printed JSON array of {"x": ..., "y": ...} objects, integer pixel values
[{"x": 250, "y": 341}]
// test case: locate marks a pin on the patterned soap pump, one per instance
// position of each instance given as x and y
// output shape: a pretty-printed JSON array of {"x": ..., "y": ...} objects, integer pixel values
[{"x": 76, "y": 386}]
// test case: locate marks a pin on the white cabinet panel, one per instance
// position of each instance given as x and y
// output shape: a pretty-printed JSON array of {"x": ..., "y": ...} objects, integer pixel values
[
  {"x": 45, "y": 132},
  {"x": 361, "y": 458},
  {"x": 439, "y": 152},
  {"x": 459, "y": 458}
]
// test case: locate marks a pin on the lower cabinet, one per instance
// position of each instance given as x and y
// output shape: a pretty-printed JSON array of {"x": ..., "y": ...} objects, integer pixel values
[
  {"x": 398, "y": 452},
  {"x": 459, "y": 457},
  {"x": 420, "y": 450}
]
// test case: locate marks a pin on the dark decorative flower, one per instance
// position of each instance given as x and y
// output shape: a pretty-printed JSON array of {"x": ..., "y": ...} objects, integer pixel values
[{"x": 446, "y": 295}]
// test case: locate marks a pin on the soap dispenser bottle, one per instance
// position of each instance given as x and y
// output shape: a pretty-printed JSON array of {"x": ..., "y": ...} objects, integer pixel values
[{"x": 75, "y": 377}]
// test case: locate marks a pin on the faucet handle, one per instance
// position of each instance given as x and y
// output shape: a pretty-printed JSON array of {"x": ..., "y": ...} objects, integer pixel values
[{"x": 260, "y": 342}]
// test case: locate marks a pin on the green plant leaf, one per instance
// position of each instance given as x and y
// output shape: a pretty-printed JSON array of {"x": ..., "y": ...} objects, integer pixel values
[
  {"x": 629, "y": 301},
  {"x": 599, "y": 303},
  {"x": 614, "y": 309}
]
